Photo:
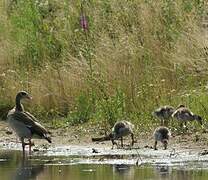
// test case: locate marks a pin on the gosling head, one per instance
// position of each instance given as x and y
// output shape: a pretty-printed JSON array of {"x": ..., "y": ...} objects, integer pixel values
[
  {"x": 158, "y": 112},
  {"x": 198, "y": 118},
  {"x": 180, "y": 106}
]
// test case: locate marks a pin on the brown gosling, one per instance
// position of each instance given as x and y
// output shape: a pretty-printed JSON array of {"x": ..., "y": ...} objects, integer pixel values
[
  {"x": 25, "y": 124},
  {"x": 183, "y": 115},
  {"x": 119, "y": 130},
  {"x": 164, "y": 113},
  {"x": 161, "y": 134}
]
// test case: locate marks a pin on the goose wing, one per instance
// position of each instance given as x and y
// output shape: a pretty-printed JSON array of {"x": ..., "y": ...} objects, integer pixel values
[{"x": 30, "y": 122}]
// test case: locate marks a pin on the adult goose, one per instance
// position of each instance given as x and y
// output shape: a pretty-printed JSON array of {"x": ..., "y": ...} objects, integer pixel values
[
  {"x": 25, "y": 124},
  {"x": 161, "y": 134},
  {"x": 164, "y": 114},
  {"x": 119, "y": 130},
  {"x": 183, "y": 115}
]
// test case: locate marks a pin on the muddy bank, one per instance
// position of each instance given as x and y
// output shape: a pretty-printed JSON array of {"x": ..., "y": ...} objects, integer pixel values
[
  {"x": 76, "y": 147},
  {"x": 89, "y": 154}
]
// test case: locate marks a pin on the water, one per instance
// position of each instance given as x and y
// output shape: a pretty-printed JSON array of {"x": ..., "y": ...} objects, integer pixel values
[{"x": 13, "y": 166}]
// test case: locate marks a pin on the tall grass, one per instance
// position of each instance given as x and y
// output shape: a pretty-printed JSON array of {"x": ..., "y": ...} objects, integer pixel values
[{"x": 134, "y": 56}]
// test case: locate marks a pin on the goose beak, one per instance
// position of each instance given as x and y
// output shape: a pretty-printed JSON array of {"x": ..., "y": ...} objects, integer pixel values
[{"x": 29, "y": 97}]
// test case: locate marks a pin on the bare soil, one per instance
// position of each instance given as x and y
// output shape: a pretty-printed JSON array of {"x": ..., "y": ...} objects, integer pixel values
[
  {"x": 76, "y": 140},
  {"x": 81, "y": 135}
]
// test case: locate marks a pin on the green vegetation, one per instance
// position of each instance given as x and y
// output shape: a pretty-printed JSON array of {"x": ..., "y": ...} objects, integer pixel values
[{"x": 133, "y": 56}]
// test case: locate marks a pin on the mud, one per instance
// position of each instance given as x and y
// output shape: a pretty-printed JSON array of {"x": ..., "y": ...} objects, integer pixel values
[
  {"x": 76, "y": 154},
  {"x": 183, "y": 151}
]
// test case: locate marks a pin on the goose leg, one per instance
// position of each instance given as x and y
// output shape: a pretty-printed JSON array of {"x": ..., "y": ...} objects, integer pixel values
[
  {"x": 112, "y": 146},
  {"x": 30, "y": 144},
  {"x": 161, "y": 122},
  {"x": 166, "y": 123},
  {"x": 155, "y": 146},
  {"x": 181, "y": 125},
  {"x": 132, "y": 139},
  {"x": 23, "y": 146},
  {"x": 121, "y": 141},
  {"x": 185, "y": 125},
  {"x": 113, "y": 143}
]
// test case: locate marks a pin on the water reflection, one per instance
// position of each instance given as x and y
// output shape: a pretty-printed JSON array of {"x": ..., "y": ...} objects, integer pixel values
[
  {"x": 123, "y": 170},
  {"x": 14, "y": 167},
  {"x": 180, "y": 173},
  {"x": 163, "y": 171},
  {"x": 27, "y": 171}
]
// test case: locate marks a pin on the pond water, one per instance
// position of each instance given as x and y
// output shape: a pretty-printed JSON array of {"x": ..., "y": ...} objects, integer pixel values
[{"x": 14, "y": 167}]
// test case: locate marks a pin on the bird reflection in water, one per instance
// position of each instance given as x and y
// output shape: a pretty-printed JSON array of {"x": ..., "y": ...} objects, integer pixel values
[
  {"x": 163, "y": 171},
  {"x": 124, "y": 170},
  {"x": 27, "y": 171}
]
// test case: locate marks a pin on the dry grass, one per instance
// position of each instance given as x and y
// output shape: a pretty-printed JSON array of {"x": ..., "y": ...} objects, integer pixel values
[{"x": 152, "y": 52}]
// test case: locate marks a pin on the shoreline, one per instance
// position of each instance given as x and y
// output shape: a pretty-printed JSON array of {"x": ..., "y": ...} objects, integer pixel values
[{"x": 71, "y": 144}]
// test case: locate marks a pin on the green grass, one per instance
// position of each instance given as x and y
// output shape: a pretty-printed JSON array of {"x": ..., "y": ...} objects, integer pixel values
[{"x": 135, "y": 56}]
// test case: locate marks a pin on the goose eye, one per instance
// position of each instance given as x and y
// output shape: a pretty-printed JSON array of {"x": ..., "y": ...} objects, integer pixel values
[{"x": 24, "y": 94}]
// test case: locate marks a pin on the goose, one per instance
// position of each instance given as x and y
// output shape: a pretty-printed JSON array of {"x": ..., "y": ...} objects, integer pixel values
[
  {"x": 161, "y": 134},
  {"x": 183, "y": 115},
  {"x": 164, "y": 113},
  {"x": 24, "y": 124},
  {"x": 119, "y": 130}
]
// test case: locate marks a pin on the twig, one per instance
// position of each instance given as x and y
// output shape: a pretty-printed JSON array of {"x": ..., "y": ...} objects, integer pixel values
[{"x": 139, "y": 158}]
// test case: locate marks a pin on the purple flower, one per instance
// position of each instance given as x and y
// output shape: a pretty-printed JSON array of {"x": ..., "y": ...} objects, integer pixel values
[{"x": 83, "y": 22}]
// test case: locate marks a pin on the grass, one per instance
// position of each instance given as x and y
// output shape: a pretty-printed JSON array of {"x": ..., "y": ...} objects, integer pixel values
[{"x": 135, "y": 56}]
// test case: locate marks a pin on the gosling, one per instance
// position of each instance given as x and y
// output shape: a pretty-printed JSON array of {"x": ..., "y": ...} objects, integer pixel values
[
  {"x": 119, "y": 130},
  {"x": 161, "y": 134},
  {"x": 164, "y": 113},
  {"x": 183, "y": 115}
]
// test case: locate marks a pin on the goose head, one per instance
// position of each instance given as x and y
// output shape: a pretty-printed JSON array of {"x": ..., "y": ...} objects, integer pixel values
[
  {"x": 20, "y": 96},
  {"x": 23, "y": 95}
]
